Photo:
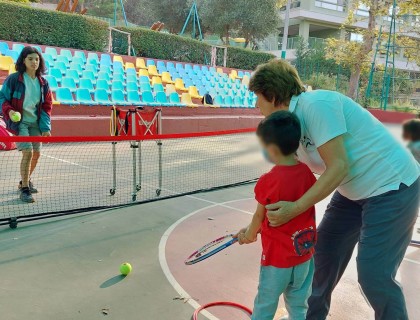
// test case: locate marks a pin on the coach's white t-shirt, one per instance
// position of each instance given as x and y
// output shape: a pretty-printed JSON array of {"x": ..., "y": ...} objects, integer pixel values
[{"x": 378, "y": 162}]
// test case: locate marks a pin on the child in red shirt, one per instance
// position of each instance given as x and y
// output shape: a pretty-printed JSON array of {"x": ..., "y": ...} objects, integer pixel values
[{"x": 286, "y": 262}]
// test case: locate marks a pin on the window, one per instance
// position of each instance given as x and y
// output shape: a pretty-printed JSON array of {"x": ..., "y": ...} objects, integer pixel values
[
  {"x": 337, "y": 5},
  {"x": 356, "y": 37}
]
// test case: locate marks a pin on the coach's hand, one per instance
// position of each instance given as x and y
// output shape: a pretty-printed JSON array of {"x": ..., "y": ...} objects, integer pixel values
[
  {"x": 282, "y": 212},
  {"x": 46, "y": 134}
]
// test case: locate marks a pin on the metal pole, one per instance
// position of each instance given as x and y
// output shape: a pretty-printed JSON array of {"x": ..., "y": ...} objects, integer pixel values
[
  {"x": 115, "y": 13},
  {"x": 286, "y": 30},
  {"x": 186, "y": 22}
]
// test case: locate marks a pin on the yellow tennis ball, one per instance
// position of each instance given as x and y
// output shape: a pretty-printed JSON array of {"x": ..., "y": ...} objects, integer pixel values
[
  {"x": 125, "y": 268},
  {"x": 16, "y": 117}
]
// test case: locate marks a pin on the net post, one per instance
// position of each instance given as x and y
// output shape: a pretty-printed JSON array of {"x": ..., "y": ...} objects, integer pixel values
[
  {"x": 134, "y": 146},
  {"x": 159, "y": 143},
  {"x": 140, "y": 167},
  {"x": 114, "y": 169}
]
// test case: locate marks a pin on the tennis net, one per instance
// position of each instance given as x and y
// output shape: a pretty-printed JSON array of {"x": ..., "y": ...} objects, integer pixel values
[{"x": 80, "y": 174}]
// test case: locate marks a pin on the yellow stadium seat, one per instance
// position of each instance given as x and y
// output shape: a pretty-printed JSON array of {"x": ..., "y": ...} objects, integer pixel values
[
  {"x": 245, "y": 80},
  {"x": 186, "y": 99},
  {"x": 170, "y": 88},
  {"x": 166, "y": 78},
  {"x": 119, "y": 58},
  {"x": 194, "y": 92},
  {"x": 130, "y": 65},
  {"x": 54, "y": 102},
  {"x": 152, "y": 70},
  {"x": 220, "y": 70},
  {"x": 233, "y": 74},
  {"x": 179, "y": 85},
  {"x": 156, "y": 80},
  {"x": 140, "y": 64},
  {"x": 143, "y": 72},
  {"x": 12, "y": 68},
  {"x": 5, "y": 62}
]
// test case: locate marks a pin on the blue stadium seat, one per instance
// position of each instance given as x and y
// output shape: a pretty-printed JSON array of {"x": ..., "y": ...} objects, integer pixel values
[
  {"x": 150, "y": 62},
  {"x": 179, "y": 66},
  {"x": 161, "y": 98},
  {"x": 52, "y": 82},
  {"x": 66, "y": 53},
  {"x": 78, "y": 60},
  {"x": 218, "y": 101},
  {"x": 52, "y": 52},
  {"x": 228, "y": 101},
  {"x": 83, "y": 96},
  {"x": 70, "y": 73},
  {"x": 3, "y": 47},
  {"x": 104, "y": 76},
  {"x": 145, "y": 87},
  {"x": 117, "y": 85},
  {"x": 77, "y": 67},
  {"x": 93, "y": 57},
  {"x": 160, "y": 63},
  {"x": 57, "y": 74},
  {"x": 147, "y": 98},
  {"x": 133, "y": 98},
  {"x": 37, "y": 48},
  {"x": 144, "y": 79},
  {"x": 69, "y": 83},
  {"x": 81, "y": 55},
  {"x": 161, "y": 69},
  {"x": 174, "y": 100},
  {"x": 204, "y": 69},
  {"x": 105, "y": 68},
  {"x": 102, "y": 84},
  {"x": 92, "y": 67},
  {"x": 13, "y": 54},
  {"x": 101, "y": 97},
  {"x": 170, "y": 66},
  {"x": 240, "y": 74},
  {"x": 131, "y": 72},
  {"x": 64, "y": 96},
  {"x": 18, "y": 47},
  {"x": 64, "y": 60},
  {"x": 187, "y": 66},
  {"x": 60, "y": 66},
  {"x": 196, "y": 68},
  {"x": 119, "y": 77},
  {"x": 158, "y": 88},
  {"x": 131, "y": 78},
  {"x": 89, "y": 75},
  {"x": 86, "y": 83},
  {"x": 118, "y": 98},
  {"x": 106, "y": 59},
  {"x": 238, "y": 102},
  {"x": 117, "y": 65},
  {"x": 132, "y": 86}
]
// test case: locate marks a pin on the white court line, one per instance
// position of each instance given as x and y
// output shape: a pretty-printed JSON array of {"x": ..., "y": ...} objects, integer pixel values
[
  {"x": 412, "y": 261},
  {"x": 164, "y": 265},
  {"x": 65, "y": 161}
]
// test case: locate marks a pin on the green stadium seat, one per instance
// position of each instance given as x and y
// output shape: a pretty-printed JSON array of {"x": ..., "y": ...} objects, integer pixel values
[
  {"x": 3, "y": 47},
  {"x": 158, "y": 88},
  {"x": 52, "y": 82},
  {"x": 101, "y": 97},
  {"x": 66, "y": 53},
  {"x": 81, "y": 55},
  {"x": 132, "y": 86},
  {"x": 83, "y": 96},
  {"x": 71, "y": 73},
  {"x": 147, "y": 98},
  {"x": 102, "y": 84},
  {"x": 117, "y": 85},
  {"x": 118, "y": 98},
  {"x": 64, "y": 96},
  {"x": 69, "y": 83},
  {"x": 133, "y": 98},
  {"x": 175, "y": 100},
  {"x": 52, "y": 52},
  {"x": 86, "y": 83},
  {"x": 57, "y": 74}
]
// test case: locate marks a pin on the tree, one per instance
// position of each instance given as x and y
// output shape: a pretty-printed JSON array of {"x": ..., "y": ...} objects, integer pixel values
[
  {"x": 172, "y": 13},
  {"x": 358, "y": 55}
]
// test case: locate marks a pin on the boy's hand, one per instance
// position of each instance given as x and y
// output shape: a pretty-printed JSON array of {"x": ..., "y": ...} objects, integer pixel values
[
  {"x": 244, "y": 237},
  {"x": 46, "y": 134}
]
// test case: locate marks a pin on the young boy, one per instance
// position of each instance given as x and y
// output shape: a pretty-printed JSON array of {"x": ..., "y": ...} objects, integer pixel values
[
  {"x": 411, "y": 133},
  {"x": 287, "y": 266}
]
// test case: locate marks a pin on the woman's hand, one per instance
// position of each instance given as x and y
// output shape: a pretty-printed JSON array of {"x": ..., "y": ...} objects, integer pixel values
[
  {"x": 282, "y": 212},
  {"x": 46, "y": 134}
]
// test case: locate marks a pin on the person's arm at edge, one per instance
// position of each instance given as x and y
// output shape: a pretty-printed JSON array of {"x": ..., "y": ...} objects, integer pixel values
[
  {"x": 249, "y": 234},
  {"x": 334, "y": 156}
]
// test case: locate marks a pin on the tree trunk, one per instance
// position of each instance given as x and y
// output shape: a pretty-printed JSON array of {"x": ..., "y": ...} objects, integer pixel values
[{"x": 368, "y": 38}]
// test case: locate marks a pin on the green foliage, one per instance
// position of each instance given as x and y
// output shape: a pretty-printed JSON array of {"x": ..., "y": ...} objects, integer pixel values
[
  {"x": 172, "y": 13},
  {"x": 26, "y": 24},
  {"x": 164, "y": 46}
]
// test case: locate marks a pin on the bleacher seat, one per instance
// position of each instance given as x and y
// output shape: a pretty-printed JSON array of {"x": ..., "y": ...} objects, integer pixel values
[
  {"x": 93, "y": 58},
  {"x": 60, "y": 66},
  {"x": 118, "y": 98},
  {"x": 166, "y": 78},
  {"x": 133, "y": 98},
  {"x": 170, "y": 88},
  {"x": 77, "y": 67},
  {"x": 156, "y": 80},
  {"x": 102, "y": 84},
  {"x": 3, "y": 47},
  {"x": 104, "y": 76},
  {"x": 143, "y": 72},
  {"x": 238, "y": 102},
  {"x": 86, "y": 83},
  {"x": 152, "y": 70},
  {"x": 140, "y": 64},
  {"x": 150, "y": 62},
  {"x": 119, "y": 77},
  {"x": 170, "y": 66},
  {"x": 117, "y": 85},
  {"x": 66, "y": 53},
  {"x": 70, "y": 73},
  {"x": 118, "y": 65},
  {"x": 228, "y": 101},
  {"x": 129, "y": 65},
  {"x": 52, "y": 52},
  {"x": 161, "y": 98},
  {"x": 158, "y": 87},
  {"x": 218, "y": 101},
  {"x": 179, "y": 85},
  {"x": 89, "y": 75},
  {"x": 105, "y": 59},
  {"x": 57, "y": 73},
  {"x": 131, "y": 78},
  {"x": 13, "y": 54},
  {"x": 118, "y": 58},
  {"x": 192, "y": 90},
  {"x": 132, "y": 86},
  {"x": 64, "y": 96},
  {"x": 174, "y": 100},
  {"x": 131, "y": 72},
  {"x": 69, "y": 83},
  {"x": 147, "y": 98},
  {"x": 18, "y": 47},
  {"x": 5, "y": 63},
  {"x": 101, "y": 97},
  {"x": 91, "y": 67},
  {"x": 144, "y": 79},
  {"x": 83, "y": 96},
  {"x": 52, "y": 82},
  {"x": 186, "y": 99},
  {"x": 81, "y": 55},
  {"x": 145, "y": 87}
]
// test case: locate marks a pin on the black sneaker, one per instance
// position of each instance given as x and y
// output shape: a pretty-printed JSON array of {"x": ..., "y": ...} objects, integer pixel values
[
  {"x": 31, "y": 187},
  {"x": 26, "y": 195}
]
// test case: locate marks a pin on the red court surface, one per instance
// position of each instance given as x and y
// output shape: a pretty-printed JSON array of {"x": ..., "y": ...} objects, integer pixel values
[{"x": 232, "y": 275}]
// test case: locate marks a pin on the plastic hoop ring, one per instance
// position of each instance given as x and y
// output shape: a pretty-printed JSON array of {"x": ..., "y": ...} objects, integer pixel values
[{"x": 221, "y": 303}]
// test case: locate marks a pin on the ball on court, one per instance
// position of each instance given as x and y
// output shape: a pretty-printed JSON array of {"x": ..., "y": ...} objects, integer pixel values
[
  {"x": 125, "y": 268},
  {"x": 16, "y": 117}
]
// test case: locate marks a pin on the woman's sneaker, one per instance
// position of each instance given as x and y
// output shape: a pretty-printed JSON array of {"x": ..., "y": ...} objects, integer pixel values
[
  {"x": 31, "y": 187},
  {"x": 26, "y": 195}
]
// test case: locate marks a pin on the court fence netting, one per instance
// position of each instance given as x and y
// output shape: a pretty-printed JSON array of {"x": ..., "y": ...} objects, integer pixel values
[{"x": 82, "y": 174}]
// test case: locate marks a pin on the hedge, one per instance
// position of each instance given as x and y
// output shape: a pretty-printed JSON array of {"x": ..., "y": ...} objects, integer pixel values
[
  {"x": 22, "y": 23},
  {"x": 152, "y": 44}
]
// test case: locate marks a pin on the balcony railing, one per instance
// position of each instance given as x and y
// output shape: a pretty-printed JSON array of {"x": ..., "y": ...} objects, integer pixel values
[
  {"x": 331, "y": 5},
  {"x": 292, "y": 42}
]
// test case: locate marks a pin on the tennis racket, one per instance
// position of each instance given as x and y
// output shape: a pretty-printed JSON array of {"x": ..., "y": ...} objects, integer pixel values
[{"x": 211, "y": 248}]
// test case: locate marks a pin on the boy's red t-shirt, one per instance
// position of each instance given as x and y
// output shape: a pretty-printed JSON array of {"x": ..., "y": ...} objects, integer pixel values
[{"x": 282, "y": 245}]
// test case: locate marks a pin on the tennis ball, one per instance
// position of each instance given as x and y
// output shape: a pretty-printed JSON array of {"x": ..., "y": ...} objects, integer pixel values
[
  {"x": 16, "y": 117},
  {"x": 125, "y": 268}
]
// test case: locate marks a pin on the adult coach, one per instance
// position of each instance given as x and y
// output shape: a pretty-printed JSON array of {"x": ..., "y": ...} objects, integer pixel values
[
  {"x": 28, "y": 93},
  {"x": 377, "y": 189}
]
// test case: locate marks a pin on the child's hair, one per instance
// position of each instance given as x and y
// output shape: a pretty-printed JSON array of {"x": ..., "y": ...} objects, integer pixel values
[
  {"x": 20, "y": 64},
  {"x": 411, "y": 129},
  {"x": 281, "y": 128}
]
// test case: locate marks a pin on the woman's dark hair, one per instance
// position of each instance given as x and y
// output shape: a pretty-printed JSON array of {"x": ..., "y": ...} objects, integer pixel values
[
  {"x": 276, "y": 80},
  {"x": 20, "y": 65},
  {"x": 411, "y": 129},
  {"x": 281, "y": 128}
]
